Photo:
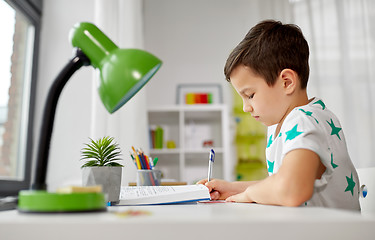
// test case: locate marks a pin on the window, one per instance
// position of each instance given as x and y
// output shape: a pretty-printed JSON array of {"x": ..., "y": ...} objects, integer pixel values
[{"x": 18, "y": 63}]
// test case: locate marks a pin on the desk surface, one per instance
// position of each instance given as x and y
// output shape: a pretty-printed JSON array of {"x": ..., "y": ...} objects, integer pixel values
[{"x": 191, "y": 221}]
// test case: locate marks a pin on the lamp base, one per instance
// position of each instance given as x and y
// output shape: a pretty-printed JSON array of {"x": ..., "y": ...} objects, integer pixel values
[{"x": 35, "y": 201}]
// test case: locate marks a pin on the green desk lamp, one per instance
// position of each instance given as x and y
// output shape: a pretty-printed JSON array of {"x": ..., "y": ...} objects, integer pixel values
[{"x": 123, "y": 72}]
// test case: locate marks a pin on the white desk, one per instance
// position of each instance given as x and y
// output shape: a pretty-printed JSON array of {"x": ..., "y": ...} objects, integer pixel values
[{"x": 200, "y": 221}]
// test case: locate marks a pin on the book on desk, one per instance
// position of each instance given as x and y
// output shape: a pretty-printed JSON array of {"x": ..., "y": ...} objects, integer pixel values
[{"x": 151, "y": 195}]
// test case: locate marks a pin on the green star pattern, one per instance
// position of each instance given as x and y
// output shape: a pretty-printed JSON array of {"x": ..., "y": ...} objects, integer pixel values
[
  {"x": 292, "y": 133},
  {"x": 321, "y": 103},
  {"x": 332, "y": 163},
  {"x": 270, "y": 166},
  {"x": 308, "y": 113},
  {"x": 269, "y": 141},
  {"x": 351, "y": 184},
  {"x": 335, "y": 130}
]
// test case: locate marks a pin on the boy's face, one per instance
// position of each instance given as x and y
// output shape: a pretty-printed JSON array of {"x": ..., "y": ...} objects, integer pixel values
[{"x": 267, "y": 104}]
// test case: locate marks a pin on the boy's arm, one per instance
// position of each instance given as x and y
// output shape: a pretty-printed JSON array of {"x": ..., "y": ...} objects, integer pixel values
[{"x": 292, "y": 185}]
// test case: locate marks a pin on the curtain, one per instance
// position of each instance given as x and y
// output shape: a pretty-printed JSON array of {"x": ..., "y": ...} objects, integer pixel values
[
  {"x": 122, "y": 21},
  {"x": 341, "y": 36}
]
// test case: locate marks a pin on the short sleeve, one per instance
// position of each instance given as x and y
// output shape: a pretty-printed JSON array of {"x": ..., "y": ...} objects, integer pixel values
[{"x": 303, "y": 131}]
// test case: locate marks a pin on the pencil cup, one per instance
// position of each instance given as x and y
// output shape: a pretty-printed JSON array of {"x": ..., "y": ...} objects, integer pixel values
[{"x": 148, "y": 177}]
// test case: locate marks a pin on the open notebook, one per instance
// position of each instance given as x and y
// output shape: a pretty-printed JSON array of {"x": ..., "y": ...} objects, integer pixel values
[{"x": 146, "y": 195}]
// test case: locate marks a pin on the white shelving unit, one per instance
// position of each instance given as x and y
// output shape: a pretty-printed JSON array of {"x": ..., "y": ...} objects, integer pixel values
[{"x": 188, "y": 126}]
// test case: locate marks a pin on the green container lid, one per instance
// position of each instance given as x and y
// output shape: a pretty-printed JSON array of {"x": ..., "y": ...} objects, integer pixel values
[{"x": 43, "y": 201}]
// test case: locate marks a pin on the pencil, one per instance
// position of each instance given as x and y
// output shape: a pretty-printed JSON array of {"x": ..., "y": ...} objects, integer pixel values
[
  {"x": 141, "y": 161},
  {"x": 148, "y": 159},
  {"x": 139, "y": 166},
  {"x": 135, "y": 162},
  {"x": 145, "y": 163}
]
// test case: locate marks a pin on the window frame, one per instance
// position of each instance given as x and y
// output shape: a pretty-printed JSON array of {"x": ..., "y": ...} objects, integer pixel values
[{"x": 32, "y": 10}]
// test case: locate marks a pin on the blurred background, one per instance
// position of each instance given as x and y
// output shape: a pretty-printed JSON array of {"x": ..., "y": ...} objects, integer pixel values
[{"x": 193, "y": 38}]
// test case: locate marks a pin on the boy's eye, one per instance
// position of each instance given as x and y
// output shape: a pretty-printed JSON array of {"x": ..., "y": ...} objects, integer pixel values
[{"x": 251, "y": 96}]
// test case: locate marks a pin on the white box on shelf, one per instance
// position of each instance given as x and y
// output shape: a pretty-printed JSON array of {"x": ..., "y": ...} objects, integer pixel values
[{"x": 196, "y": 134}]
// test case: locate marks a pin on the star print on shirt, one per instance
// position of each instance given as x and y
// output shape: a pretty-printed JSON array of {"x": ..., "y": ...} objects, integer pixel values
[
  {"x": 335, "y": 130},
  {"x": 308, "y": 113},
  {"x": 332, "y": 163},
  {"x": 269, "y": 141},
  {"x": 351, "y": 184},
  {"x": 292, "y": 133},
  {"x": 270, "y": 166},
  {"x": 321, "y": 103}
]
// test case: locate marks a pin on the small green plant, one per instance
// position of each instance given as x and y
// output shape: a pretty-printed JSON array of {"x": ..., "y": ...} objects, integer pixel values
[{"x": 103, "y": 152}]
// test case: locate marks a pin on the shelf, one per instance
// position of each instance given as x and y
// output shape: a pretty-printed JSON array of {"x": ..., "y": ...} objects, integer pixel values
[
  {"x": 203, "y": 150},
  {"x": 166, "y": 117},
  {"x": 189, "y": 126},
  {"x": 186, "y": 151},
  {"x": 165, "y": 151}
]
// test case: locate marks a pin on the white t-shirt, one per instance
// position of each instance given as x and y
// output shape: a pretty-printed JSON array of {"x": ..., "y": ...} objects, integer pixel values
[{"x": 316, "y": 128}]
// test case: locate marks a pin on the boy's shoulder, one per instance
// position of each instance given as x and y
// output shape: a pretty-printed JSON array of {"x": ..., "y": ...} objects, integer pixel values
[
  {"x": 315, "y": 111},
  {"x": 312, "y": 121},
  {"x": 314, "y": 117}
]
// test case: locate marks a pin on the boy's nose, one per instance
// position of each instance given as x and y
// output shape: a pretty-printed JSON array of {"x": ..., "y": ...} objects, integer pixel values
[{"x": 247, "y": 108}]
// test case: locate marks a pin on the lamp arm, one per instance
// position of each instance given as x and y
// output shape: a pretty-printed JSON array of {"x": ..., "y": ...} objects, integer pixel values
[{"x": 79, "y": 60}]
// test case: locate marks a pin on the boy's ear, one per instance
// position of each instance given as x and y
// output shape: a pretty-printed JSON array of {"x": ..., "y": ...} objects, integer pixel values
[{"x": 289, "y": 80}]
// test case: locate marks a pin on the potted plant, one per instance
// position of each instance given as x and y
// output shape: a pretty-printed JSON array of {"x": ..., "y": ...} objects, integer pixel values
[{"x": 102, "y": 167}]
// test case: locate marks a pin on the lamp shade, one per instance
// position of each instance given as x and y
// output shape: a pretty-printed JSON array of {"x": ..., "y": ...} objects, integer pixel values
[{"x": 123, "y": 72}]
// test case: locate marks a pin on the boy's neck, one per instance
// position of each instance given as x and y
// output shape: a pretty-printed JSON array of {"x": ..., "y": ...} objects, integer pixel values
[{"x": 299, "y": 98}]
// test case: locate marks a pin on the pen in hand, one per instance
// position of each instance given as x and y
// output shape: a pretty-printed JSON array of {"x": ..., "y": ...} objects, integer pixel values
[{"x": 210, "y": 164}]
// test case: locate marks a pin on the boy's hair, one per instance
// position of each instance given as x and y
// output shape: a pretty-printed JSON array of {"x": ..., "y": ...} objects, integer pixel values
[{"x": 268, "y": 48}]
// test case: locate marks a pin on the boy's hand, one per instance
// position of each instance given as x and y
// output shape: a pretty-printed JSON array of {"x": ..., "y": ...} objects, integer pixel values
[{"x": 220, "y": 189}]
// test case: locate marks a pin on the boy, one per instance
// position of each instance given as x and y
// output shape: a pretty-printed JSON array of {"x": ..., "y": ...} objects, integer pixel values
[{"x": 307, "y": 159}]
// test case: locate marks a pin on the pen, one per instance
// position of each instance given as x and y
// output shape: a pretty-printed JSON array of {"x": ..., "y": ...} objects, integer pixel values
[{"x": 210, "y": 164}]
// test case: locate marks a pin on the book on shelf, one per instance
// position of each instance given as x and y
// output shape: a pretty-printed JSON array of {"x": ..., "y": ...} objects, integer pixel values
[
  {"x": 156, "y": 137},
  {"x": 159, "y": 137},
  {"x": 198, "y": 98},
  {"x": 151, "y": 195},
  {"x": 152, "y": 138}
]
